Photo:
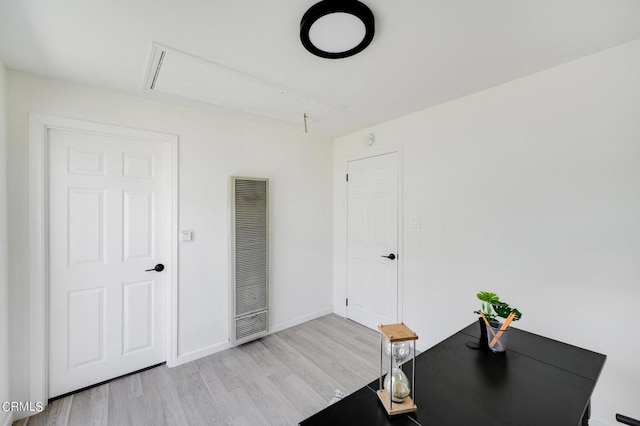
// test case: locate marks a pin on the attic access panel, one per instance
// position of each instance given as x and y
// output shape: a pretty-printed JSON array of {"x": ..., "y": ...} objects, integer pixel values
[{"x": 180, "y": 74}]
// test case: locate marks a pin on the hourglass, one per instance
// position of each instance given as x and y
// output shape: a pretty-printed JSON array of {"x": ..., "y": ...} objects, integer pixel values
[
  {"x": 394, "y": 391},
  {"x": 396, "y": 382}
]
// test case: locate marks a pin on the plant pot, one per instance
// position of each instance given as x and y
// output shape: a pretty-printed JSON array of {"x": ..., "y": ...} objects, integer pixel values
[
  {"x": 483, "y": 335},
  {"x": 496, "y": 340}
]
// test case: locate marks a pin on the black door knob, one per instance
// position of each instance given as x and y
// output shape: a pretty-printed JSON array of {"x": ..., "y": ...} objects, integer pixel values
[
  {"x": 391, "y": 256},
  {"x": 158, "y": 268}
]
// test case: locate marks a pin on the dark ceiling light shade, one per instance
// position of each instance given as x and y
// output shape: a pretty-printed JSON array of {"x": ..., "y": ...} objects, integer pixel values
[{"x": 337, "y": 28}]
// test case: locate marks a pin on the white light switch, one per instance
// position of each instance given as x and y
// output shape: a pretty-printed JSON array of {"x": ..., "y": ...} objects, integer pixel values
[
  {"x": 415, "y": 222},
  {"x": 186, "y": 235}
]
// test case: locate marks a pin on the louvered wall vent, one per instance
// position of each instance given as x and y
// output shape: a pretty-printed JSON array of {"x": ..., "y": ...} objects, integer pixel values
[{"x": 250, "y": 263}]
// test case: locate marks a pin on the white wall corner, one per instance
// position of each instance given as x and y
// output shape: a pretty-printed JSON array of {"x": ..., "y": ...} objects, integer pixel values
[
  {"x": 340, "y": 310},
  {"x": 288, "y": 324},
  {"x": 218, "y": 347},
  {"x": 200, "y": 353}
]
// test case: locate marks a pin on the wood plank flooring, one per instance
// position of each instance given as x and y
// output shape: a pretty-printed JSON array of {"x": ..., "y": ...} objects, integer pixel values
[{"x": 278, "y": 380}]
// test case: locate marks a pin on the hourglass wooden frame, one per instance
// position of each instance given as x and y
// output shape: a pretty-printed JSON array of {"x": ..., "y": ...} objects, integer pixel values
[{"x": 395, "y": 333}]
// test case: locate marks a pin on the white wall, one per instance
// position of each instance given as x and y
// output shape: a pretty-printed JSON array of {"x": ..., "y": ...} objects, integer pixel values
[
  {"x": 5, "y": 417},
  {"x": 532, "y": 190},
  {"x": 214, "y": 144}
]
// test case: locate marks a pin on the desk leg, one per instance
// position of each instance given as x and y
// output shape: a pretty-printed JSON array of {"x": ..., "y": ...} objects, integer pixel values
[
  {"x": 380, "y": 380},
  {"x": 586, "y": 415}
]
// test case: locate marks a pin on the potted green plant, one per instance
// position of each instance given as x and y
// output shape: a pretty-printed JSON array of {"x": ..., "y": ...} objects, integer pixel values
[{"x": 493, "y": 308}]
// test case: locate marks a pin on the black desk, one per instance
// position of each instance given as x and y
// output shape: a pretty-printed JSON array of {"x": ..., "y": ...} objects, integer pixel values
[{"x": 538, "y": 381}]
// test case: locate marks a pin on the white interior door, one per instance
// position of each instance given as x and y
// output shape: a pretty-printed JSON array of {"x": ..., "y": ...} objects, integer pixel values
[
  {"x": 107, "y": 225},
  {"x": 372, "y": 240}
]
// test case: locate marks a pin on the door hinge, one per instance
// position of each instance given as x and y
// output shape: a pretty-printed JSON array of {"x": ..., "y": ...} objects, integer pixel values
[
  {"x": 346, "y": 301},
  {"x": 347, "y": 177}
]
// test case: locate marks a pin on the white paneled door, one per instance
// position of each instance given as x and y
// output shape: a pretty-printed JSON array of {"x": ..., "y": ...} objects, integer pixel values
[
  {"x": 107, "y": 227},
  {"x": 372, "y": 240}
]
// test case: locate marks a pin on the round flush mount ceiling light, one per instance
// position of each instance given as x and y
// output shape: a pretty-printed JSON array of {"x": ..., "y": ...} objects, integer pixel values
[{"x": 337, "y": 28}]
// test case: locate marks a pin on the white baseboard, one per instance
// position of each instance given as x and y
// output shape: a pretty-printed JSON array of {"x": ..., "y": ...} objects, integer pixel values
[
  {"x": 212, "y": 349},
  {"x": 340, "y": 310},
  {"x": 288, "y": 324},
  {"x": 201, "y": 353}
]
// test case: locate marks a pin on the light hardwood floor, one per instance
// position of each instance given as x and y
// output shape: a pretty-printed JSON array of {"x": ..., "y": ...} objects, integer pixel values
[{"x": 277, "y": 380}]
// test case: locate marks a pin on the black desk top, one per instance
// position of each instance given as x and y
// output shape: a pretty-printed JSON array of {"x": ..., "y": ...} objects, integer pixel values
[{"x": 538, "y": 381}]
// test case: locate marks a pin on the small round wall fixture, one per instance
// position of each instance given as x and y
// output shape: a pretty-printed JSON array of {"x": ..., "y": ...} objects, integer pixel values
[
  {"x": 371, "y": 139},
  {"x": 337, "y": 28}
]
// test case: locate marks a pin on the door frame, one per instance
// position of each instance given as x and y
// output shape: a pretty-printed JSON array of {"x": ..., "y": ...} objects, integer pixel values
[
  {"x": 39, "y": 126},
  {"x": 362, "y": 156}
]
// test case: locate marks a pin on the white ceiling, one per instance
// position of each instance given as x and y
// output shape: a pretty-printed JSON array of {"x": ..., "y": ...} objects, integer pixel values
[{"x": 425, "y": 52}]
